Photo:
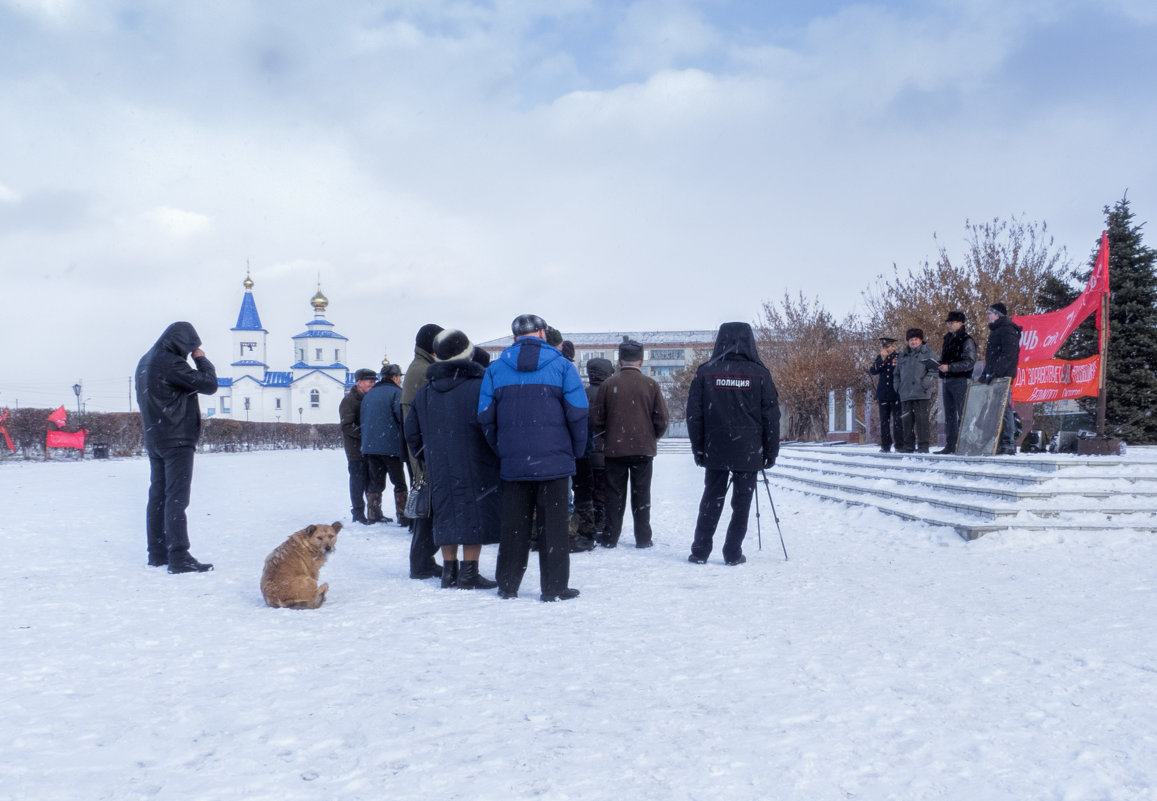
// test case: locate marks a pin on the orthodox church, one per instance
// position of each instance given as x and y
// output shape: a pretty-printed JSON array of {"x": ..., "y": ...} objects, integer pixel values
[{"x": 309, "y": 392}]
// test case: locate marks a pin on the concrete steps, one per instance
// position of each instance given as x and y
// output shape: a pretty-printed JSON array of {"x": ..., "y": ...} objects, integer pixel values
[{"x": 978, "y": 495}]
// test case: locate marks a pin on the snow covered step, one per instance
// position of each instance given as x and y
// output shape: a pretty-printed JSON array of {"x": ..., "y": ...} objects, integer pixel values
[
  {"x": 1062, "y": 491},
  {"x": 936, "y": 480},
  {"x": 969, "y": 526},
  {"x": 1024, "y": 468},
  {"x": 978, "y": 495}
]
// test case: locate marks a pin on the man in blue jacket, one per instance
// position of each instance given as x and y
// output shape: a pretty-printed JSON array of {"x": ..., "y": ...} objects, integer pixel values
[
  {"x": 533, "y": 412},
  {"x": 381, "y": 416},
  {"x": 167, "y": 389}
]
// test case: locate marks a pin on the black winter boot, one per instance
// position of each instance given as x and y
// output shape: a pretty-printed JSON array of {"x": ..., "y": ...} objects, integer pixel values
[
  {"x": 471, "y": 579},
  {"x": 187, "y": 564},
  {"x": 450, "y": 573}
]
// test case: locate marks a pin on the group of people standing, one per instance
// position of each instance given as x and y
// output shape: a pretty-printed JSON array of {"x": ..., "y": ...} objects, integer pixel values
[
  {"x": 503, "y": 443},
  {"x": 500, "y": 444},
  {"x": 906, "y": 377}
]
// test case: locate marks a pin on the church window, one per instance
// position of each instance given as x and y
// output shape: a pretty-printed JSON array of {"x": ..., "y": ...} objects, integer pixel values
[
  {"x": 301, "y": 355},
  {"x": 277, "y": 403},
  {"x": 314, "y": 398},
  {"x": 336, "y": 355},
  {"x": 318, "y": 351}
]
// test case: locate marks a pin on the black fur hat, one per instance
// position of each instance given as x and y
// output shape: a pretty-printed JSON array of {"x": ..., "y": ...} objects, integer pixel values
[
  {"x": 956, "y": 317},
  {"x": 425, "y": 338},
  {"x": 915, "y": 332},
  {"x": 525, "y": 324},
  {"x": 390, "y": 370},
  {"x": 999, "y": 308},
  {"x": 365, "y": 374},
  {"x": 630, "y": 351},
  {"x": 481, "y": 356},
  {"x": 452, "y": 344}
]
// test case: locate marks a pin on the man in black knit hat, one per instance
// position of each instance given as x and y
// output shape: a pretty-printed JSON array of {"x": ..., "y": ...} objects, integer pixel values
[
  {"x": 422, "y": 547},
  {"x": 956, "y": 360},
  {"x": 1001, "y": 354}
]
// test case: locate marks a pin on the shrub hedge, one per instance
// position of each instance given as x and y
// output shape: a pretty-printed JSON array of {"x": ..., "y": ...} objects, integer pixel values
[{"x": 121, "y": 433}]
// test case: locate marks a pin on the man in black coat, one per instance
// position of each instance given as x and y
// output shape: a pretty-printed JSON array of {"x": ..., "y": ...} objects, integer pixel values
[
  {"x": 1001, "y": 354},
  {"x": 167, "y": 389},
  {"x": 956, "y": 360},
  {"x": 350, "y": 415},
  {"x": 887, "y": 398},
  {"x": 590, "y": 478},
  {"x": 733, "y": 423}
]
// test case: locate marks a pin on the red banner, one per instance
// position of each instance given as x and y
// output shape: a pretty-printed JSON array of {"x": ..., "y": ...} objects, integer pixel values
[
  {"x": 66, "y": 439},
  {"x": 1056, "y": 379},
  {"x": 58, "y": 417},
  {"x": 4, "y": 431},
  {"x": 1044, "y": 334}
]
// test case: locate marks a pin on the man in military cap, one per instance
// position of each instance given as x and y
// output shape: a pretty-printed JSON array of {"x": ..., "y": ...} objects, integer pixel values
[{"x": 887, "y": 398}]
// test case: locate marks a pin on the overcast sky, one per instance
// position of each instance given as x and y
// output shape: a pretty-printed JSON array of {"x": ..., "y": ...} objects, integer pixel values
[{"x": 664, "y": 164}]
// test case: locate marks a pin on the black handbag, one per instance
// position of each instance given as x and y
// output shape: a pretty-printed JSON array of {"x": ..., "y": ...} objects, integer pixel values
[{"x": 418, "y": 501}]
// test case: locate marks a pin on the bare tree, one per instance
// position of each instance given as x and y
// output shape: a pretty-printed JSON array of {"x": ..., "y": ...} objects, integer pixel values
[
  {"x": 679, "y": 387},
  {"x": 809, "y": 353},
  {"x": 1004, "y": 260}
]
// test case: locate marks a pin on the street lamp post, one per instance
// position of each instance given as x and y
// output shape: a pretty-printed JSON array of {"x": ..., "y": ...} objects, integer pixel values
[{"x": 77, "y": 389}]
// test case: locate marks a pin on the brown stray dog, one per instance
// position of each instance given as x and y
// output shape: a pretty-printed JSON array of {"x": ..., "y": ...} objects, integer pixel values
[{"x": 290, "y": 576}]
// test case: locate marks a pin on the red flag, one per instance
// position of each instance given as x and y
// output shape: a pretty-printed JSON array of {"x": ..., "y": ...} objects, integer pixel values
[
  {"x": 58, "y": 417},
  {"x": 1056, "y": 379},
  {"x": 1044, "y": 334},
  {"x": 4, "y": 431},
  {"x": 66, "y": 439}
]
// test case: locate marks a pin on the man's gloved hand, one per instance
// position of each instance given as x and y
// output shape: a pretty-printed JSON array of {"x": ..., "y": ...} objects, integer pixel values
[
  {"x": 700, "y": 458},
  {"x": 768, "y": 462}
]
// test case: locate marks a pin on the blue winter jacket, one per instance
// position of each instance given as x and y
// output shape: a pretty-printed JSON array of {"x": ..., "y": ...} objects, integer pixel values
[
  {"x": 381, "y": 419},
  {"x": 533, "y": 411}
]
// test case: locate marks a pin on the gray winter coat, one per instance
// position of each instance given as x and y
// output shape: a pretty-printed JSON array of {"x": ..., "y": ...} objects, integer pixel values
[{"x": 914, "y": 378}]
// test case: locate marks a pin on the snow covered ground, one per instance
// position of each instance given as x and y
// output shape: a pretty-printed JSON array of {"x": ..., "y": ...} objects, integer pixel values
[{"x": 884, "y": 660}]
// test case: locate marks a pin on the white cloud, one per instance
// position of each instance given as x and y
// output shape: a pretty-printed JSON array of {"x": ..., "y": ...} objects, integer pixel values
[
  {"x": 54, "y": 12},
  {"x": 450, "y": 164},
  {"x": 178, "y": 222}
]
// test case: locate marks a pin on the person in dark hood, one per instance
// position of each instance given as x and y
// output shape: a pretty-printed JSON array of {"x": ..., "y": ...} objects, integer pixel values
[
  {"x": 443, "y": 433},
  {"x": 533, "y": 410},
  {"x": 733, "y": 424},
  {"x": 1001, "y": 355},
  {"x": 167, "y": 389},
  {"x": 590, "y": 479},
  {"x": 956, "y": 360},
  {"x": 887, "y": 399},
  {"x": 422, "y": 547}
]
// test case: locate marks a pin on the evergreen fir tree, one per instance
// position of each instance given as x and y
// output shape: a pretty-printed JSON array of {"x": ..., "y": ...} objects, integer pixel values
[
  {"x": 1131, "y": 389},
  {"x": 1056, "y": 294}
]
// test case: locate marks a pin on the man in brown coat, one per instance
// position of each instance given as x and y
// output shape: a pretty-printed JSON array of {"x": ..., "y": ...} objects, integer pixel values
[{"x": 630, "y": 415}]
